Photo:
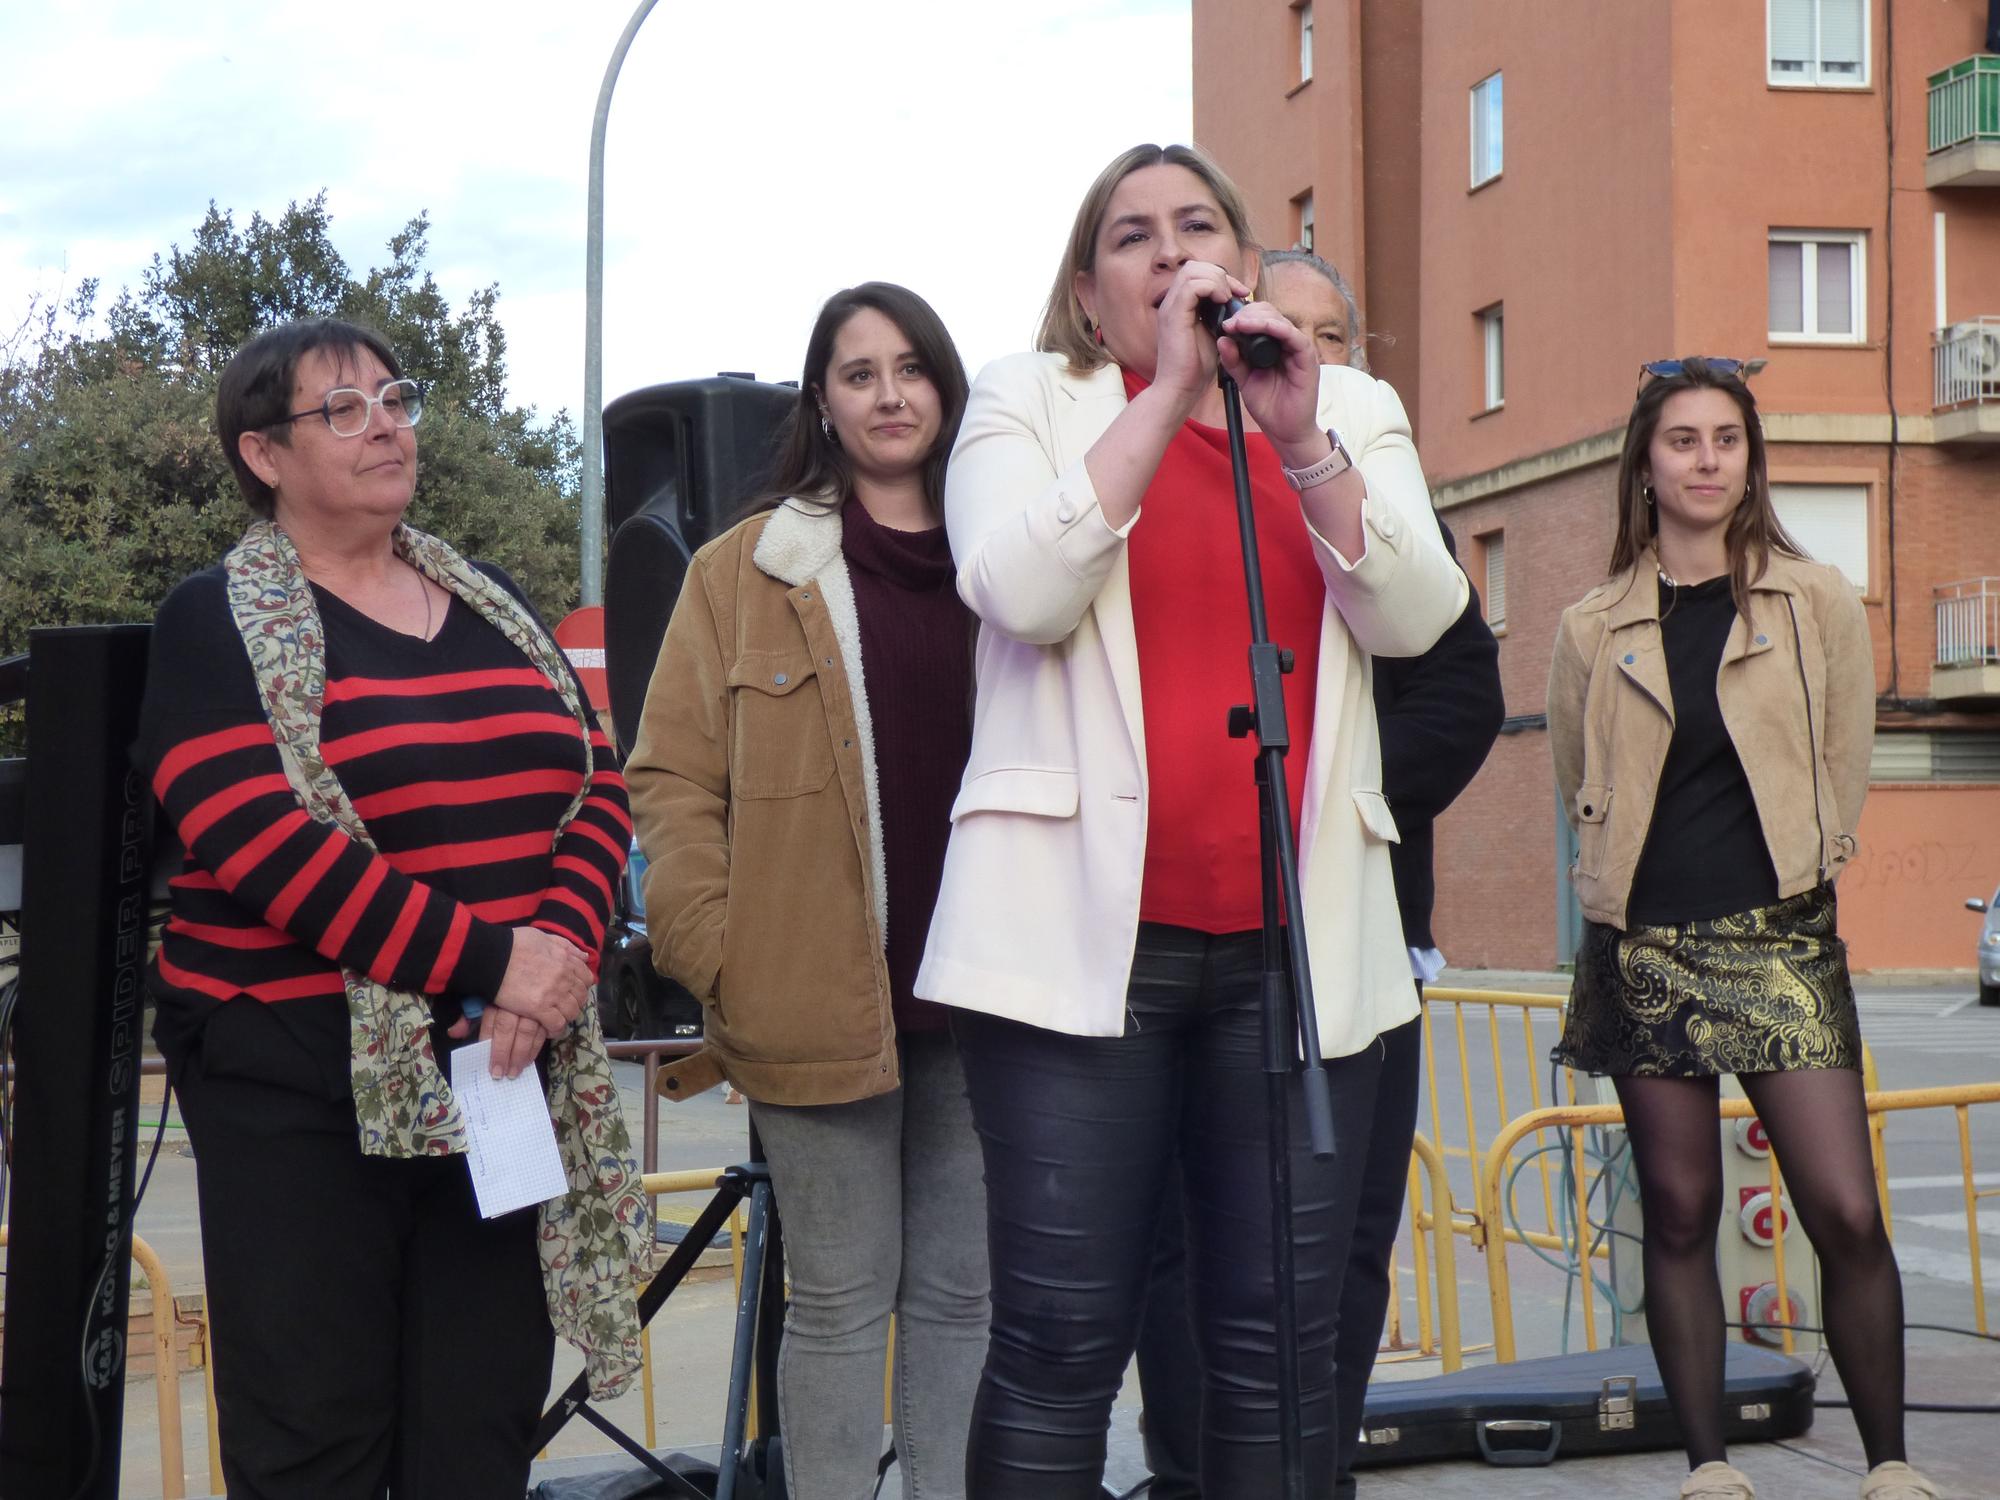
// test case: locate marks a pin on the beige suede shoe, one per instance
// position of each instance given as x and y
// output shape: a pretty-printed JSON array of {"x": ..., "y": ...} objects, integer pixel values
[
  {"x": 1720, "y": 1481},
  {"x": 1897, "y": 1481}
]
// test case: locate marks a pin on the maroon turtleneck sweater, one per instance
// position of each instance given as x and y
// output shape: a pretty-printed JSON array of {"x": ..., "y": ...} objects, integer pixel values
[{"x": 916, "y": 650}]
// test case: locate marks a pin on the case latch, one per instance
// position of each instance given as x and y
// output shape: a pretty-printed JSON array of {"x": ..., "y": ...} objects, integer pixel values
[{"x": 1618, "y": 1404}]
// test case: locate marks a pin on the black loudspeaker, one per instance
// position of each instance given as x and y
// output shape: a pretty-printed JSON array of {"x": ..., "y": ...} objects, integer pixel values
[
  {"x": 680, "y": 461},
  {"x": 87, "y": 830}
]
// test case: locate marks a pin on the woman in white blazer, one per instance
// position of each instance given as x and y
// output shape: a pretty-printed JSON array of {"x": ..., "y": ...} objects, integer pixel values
[{"x": 1097, "y": 925}]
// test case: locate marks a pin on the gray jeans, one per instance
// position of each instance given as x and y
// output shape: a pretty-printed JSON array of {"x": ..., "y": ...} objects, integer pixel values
[{"x": 884, "y": 1210}]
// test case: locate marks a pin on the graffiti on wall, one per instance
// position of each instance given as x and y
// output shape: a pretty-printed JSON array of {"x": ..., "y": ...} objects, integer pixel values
[{"x": 1923, "y": 863}]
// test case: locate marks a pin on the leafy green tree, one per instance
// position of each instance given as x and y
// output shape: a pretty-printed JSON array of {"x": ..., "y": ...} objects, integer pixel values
[{"x": 112, "y": 484}]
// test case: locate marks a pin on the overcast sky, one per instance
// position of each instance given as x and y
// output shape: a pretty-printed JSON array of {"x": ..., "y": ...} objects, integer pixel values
[{"x": 760, "y": 157}]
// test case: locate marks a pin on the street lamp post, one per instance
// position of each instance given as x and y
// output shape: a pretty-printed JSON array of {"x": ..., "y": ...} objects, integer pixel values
[{"x": 592, "y": 561}]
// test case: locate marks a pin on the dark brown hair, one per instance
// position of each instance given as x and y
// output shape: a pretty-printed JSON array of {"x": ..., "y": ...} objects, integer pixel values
[
  {"x": 255, "y": 392},
  {"x": 1754, "y": 531},
  {"x": 811, "y": 465}
]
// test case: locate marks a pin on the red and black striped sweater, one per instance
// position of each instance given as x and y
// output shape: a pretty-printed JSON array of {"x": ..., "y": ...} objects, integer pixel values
[{"x": 459, "y": 756}]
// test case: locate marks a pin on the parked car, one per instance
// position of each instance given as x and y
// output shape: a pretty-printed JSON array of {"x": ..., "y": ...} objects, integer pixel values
[
  {"x": 1989, "y": 949},
  {"x": 633, "y": 999}
]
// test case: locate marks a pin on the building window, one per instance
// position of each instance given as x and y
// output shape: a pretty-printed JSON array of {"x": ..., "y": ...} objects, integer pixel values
[
  {"x": 1830, "y": 521},
  {"x": 1494, "y": 547},
  {"x": 1818, "y": 286},
  {"x": 1486, "y": 152},
  {"x": 1818, "y": 43},
  {"x": 1305, "y": 15},
  {"x": 1304, "y": 204},
  {"x": 1493, "y": 344}
]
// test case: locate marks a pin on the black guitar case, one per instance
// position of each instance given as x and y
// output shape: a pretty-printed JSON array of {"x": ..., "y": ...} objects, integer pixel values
[{"x": 1536, "y": 1411}]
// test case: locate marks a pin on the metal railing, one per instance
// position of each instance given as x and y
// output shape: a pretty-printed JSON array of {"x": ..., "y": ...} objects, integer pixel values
[
  {"x": 167, "y": 1373},
  {"x": 1965, "y": 363},
  {"x": 1968, "y": 622},
  {"x": 1578, "y": 1118},
  {"x": 1965, "y": 103}
]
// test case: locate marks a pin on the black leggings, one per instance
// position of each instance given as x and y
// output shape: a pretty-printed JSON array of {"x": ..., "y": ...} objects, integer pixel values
[
  {"x": 1818, "y": 1123},
  {"x": 1079, "y": 1134}
]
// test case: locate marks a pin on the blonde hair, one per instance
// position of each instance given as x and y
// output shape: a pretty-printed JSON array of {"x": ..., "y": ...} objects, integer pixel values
[{"x": 1066, "y": 329}]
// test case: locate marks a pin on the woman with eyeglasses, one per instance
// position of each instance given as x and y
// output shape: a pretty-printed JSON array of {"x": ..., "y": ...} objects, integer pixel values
[
  {"x": 397, "y": 811},
  {"x": 793, "y": 779},
  {"x": 1098, "y": 929},
  {"x": 1711, "y": 712}
]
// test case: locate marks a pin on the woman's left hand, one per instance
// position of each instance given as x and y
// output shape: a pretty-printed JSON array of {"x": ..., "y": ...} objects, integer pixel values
[
  {"x": 516, "y": 1040},
  {"x": 1283, "y": 400}
]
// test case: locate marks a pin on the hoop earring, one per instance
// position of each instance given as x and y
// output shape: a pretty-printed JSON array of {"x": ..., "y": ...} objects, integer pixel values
[
  {"x": 1651, "y": 498},
  {"x": 826, "y": 430}
]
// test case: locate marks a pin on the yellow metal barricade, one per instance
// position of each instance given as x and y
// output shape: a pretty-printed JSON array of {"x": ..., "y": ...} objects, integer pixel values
[
  {"x": 1577, "y": 1119},
  {"x": 166, "y": 1369}
]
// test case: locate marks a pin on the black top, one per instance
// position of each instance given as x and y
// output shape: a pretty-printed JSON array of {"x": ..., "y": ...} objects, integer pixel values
[
  {"x": 1439, "y": 715},
  {"x": 1705, "y": 855},
  {"x": 916, "y": 653}
]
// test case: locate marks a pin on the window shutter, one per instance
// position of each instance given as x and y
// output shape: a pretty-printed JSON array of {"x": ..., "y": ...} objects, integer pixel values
[
  {"x": 1842, "y": 38},
  {"x": 1791, "y": 38},
  {"x": 1830, "y": 521},
  {"x": 1788, "y": 307},
  {"x": 1496, "y": 579},
  {"x": 1836, "y": 287}
]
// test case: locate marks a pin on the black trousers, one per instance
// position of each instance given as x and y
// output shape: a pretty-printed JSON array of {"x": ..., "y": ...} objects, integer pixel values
[
  {"x": 1169, "y": 1368},
  {"x": 373, "y": 1335},
  {"x": 1080, "y": 1136}
]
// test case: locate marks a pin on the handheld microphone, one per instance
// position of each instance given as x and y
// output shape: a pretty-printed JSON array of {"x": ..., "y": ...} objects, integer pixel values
[{"x": 1259, "y": 350}]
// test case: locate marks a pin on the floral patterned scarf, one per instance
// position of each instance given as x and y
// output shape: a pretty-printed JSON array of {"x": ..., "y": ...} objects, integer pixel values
[{"x": 596, "y": 1240}]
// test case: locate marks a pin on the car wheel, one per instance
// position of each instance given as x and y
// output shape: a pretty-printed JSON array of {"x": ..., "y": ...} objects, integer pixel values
[
  {"x": 1989, "y": 994},
  {"x": 631, "y": 1001},
  {"x": 639, "y": 1001}
]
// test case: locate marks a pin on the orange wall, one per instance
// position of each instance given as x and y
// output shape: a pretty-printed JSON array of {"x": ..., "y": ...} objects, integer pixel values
[
  {"x": 1251, "y": 116},
  {"x": 1924, "y": 850},
  {"x": 1749, "y": 158},
  {"x": 1576, "y": 237}
]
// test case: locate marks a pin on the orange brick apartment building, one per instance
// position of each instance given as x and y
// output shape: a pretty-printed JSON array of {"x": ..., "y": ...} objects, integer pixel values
[{"x": 1533, "y": 199}]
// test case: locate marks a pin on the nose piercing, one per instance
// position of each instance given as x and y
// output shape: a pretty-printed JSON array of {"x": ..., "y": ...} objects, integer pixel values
[{"x": 901, "y": 402}]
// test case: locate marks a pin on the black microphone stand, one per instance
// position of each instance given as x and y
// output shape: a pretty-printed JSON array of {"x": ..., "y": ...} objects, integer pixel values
[{"x": 1291, "y": 1026}]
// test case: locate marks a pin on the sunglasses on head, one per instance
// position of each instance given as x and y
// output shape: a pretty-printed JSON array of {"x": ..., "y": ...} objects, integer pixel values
[{"x": 1666, "y": 369}]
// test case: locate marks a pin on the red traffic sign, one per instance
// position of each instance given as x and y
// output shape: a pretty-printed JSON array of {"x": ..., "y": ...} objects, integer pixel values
[{"x": 581, "y": 636}]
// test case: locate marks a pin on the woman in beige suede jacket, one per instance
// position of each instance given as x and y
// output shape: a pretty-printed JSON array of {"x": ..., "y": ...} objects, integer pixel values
[{"x": 1711, "y": 712}]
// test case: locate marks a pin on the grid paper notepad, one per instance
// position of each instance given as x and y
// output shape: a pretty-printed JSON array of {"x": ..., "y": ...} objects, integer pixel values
[{"x": 510, "y": 1140}]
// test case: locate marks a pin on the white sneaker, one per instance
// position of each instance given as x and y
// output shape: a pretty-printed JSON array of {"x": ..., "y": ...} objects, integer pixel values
[
  {"x": 1897, "y": 1481},
  {"x": 1719, "y": 1481}
]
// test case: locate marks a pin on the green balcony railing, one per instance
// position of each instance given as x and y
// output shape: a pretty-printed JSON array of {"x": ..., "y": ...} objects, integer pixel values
[{"x": 1965, "y": 103}]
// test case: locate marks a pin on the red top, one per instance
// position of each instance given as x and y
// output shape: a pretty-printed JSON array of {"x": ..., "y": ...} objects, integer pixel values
[{"x": 1191, "y": 614}]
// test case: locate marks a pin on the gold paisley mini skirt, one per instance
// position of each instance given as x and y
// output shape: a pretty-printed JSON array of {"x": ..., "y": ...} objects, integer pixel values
[{"x": 1763, "y": 991}]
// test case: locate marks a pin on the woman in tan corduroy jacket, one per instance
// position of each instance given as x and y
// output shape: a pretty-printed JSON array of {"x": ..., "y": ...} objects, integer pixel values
[{"x": 801, "y": 744}]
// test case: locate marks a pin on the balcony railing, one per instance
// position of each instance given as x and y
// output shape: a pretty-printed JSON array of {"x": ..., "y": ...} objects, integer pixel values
[
  {"x": 1965, "y": 103},
  {"x": 1968, "y": 623},
  {"x": 1965, "y": 364}
]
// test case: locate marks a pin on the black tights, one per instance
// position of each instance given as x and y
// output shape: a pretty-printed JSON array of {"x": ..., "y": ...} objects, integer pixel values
[{"x": 1818, "y": 1123}]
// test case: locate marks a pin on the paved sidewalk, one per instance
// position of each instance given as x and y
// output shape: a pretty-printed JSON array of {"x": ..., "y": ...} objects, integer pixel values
[{"x": 691, "y": 1351}]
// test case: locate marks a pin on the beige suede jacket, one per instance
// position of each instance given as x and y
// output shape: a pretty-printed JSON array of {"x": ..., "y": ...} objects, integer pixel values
[{"x": 1797, "y": 693}]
